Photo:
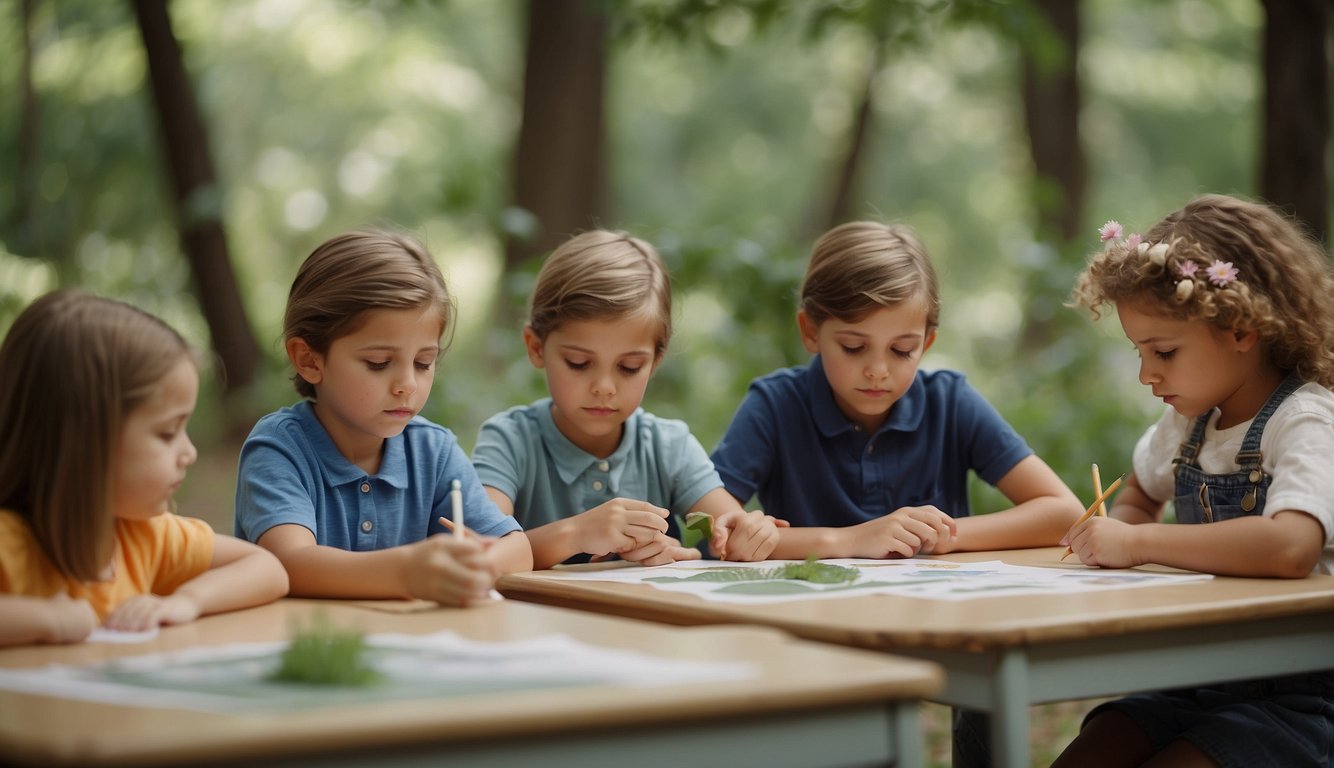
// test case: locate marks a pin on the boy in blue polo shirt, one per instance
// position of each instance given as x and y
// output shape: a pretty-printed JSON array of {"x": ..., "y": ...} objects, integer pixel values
[
  {"x": 586, "y": 471},
  {"x": 865, "y": 455},
  {"x": 861, "y": 452},
  {"x": 350, "y": 488}
]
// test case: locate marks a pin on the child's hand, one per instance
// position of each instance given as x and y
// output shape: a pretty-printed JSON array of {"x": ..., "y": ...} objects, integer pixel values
[
  {"x": 741, "y": 535},
  {"x": 71, "y": 620},
  {"x": 144, "y": 611},
  {"x": 661, "y": 550},
  {"x": 619, "y": 526},
  {"x": 902, "y": 533},
  {"x": 449, "y": 570},
  {"x": 1104, "y": 541}
]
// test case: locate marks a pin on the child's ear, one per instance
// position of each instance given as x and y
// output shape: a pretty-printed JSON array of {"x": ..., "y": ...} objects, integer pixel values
[
  {"x": 533, "y": 346},
  {"x": 810, "y": 331},
  {"x": 930, "y": 339},
  {"x": 1245, "y": 340},
  {"x": 308, "y": 363}
]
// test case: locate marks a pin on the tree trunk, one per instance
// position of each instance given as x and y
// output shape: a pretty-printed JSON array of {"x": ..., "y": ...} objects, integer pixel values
[
  {"x": 1051, "y": 115},
  {"x": 1293, "y": 172},
  {"x": 197, "y": 197},
  {"x": 845, "y": 184},
  {"x": 25, "y": 223},
  {"x": 559, "y": 168}
]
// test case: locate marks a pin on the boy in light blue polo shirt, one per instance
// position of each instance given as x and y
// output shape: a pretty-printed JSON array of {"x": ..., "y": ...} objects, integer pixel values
[
  {"x": 586, "y": 471},
  {"x": 350, "y": 488}
]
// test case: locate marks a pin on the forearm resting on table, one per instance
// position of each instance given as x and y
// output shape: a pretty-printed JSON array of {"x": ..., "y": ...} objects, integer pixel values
[
  {"x": 1286, "y": 545},
  {"x": 241, "y": 575},
  {"x": 319, "y": 571}
]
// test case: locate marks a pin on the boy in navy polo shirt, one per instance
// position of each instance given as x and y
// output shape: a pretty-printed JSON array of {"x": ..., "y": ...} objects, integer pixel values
[{"x": 864, "y": 454}]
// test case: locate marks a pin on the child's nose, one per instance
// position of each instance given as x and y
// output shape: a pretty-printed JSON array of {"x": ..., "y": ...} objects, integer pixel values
[{"x": 190, "y": 454}]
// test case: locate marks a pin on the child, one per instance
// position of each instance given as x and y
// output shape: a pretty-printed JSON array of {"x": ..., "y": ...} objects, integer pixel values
[
  {"x": 865, "y": 455},
  {"x": 349, "y": 485},
  {"x": 586, "y": 470},
  {"x": 862, "y": 453},
  {"x": 94, "y": 399},
  {"x": 1228, "y": 305}
]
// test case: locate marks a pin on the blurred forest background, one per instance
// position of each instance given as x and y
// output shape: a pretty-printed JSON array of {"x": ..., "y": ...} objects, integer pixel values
[{"x": 187, "y": 155}]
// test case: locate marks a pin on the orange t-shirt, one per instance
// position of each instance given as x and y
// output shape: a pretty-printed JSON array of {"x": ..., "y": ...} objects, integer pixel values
[{"x": 154, "y": 556}]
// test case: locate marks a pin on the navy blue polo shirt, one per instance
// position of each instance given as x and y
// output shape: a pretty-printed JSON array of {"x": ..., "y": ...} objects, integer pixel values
[{"x": 813, "y": 466}]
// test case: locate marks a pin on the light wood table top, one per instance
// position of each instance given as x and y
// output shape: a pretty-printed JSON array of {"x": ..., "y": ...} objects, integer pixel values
[
  {"x": 798, "y": 683},
  {"x": 1002, "y": 654},
  {"x": 892, "y": 622}
]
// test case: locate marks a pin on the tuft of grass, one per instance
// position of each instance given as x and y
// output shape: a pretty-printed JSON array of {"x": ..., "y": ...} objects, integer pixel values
[{"x": 322, "y": 654}]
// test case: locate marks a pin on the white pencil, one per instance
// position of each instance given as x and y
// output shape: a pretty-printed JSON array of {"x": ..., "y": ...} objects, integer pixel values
[{"x": 456, "y": 499}]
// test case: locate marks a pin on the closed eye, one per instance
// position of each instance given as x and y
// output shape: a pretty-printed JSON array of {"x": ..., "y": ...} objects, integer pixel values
[
  {"x": 629, "y": 370},
  {"x": 851, "y": 350},
  {"x": 576, "y": 366},
  {"x": 377, "y": 365}
]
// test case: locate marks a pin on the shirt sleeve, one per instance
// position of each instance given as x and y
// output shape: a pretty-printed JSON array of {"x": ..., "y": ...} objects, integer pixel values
[
  {"x": 272, "y": 490},
  {"x": 175, "y": 549},
  {"x": 1153, "y": 454},
  {"x": 480, "y": 514},
  {"x": 693, "y": 473},
  {"x": 994, "y": 447},
  {"x": 500, "y": 454},
  {"x": 747, "y": 452}
]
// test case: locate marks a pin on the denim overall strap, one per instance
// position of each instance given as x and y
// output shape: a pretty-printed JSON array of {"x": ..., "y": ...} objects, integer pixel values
[{"x": 1205, "y": 498}]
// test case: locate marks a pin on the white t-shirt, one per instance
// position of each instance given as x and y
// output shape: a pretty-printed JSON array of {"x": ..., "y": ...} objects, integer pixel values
[{"x": 1298, "y": 448}]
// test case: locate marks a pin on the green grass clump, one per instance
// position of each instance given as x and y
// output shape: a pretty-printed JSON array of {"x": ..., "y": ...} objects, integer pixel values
[
  {"x": 322, "y": 654},
  {"x": 815, "y": 572}
]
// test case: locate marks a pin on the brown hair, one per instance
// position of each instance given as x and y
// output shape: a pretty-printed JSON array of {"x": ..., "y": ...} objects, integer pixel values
[
  {"x": 355, "y": 272},
  {"x": 859, "y": 267},
  {"x": 72, "y": 368},
  {"x": 1282, "y": 289},
  {"x": 601, "y": 275}
]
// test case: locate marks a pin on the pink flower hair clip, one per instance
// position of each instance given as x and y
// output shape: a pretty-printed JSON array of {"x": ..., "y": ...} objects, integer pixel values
[{"x": 1221, "y": 273}]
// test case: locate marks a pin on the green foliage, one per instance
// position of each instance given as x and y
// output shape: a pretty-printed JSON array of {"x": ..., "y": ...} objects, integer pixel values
[
  {"x": 697, "y": 527},
  {"x": 321, "y": 654}
]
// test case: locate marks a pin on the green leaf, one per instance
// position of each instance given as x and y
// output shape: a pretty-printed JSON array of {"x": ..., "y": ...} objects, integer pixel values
[{"x": 697, "y": 527}]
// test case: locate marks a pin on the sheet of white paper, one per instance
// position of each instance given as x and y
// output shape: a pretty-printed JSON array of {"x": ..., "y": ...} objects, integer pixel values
[
  {"x": 726, "y": 582},
  {"x": 104, "y": 635},
  {"x": 234, "y": 677}
]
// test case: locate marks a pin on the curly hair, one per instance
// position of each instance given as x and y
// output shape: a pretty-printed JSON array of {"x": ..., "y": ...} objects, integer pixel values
[{"x": 1282, "y": 291}]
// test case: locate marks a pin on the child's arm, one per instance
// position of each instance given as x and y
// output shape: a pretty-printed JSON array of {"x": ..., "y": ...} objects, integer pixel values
[
  {"x": 55, "y": 619},
  {"x": 737, "y": 534},
  {"x": 1286, "y": 545},
  {"x": 240, "y": 575},
  {"x": 1135, "y": 506},
  {"x": 446, "y": 569},
  {"x": 614, "y": 527},
  {"x": 1044, "y": 509}
]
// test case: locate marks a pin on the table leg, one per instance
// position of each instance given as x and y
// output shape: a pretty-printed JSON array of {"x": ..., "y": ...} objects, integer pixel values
[{"x": 1009, "y": 710}]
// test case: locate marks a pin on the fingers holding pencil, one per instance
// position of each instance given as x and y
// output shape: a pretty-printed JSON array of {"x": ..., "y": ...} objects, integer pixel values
[{"x": 1096, "y": 505}]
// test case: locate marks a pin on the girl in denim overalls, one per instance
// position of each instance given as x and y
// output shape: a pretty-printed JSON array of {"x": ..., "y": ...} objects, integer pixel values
[{"x": 1231, "y": 309}]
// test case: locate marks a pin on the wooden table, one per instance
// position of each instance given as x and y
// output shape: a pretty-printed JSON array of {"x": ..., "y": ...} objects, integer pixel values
[
  {"x": 810, "y": 704},
  {"x": 1002, "y": 654}
]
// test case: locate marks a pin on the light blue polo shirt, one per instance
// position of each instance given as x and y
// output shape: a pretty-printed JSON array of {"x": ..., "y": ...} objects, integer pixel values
[
  {"x": 521, "y": 453},
  {"x": 291, "y": 472},
  {"x": 790, "y": 445}
]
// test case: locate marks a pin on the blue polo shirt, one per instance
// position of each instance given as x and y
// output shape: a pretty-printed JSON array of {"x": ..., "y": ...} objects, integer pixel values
[
  {"x": 291, "y": 472},
  {"x": 521, "y": 453},
  {"x": 809, "y": 464}
]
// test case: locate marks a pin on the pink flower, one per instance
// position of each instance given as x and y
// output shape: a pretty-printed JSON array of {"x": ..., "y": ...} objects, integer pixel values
[
  {"x": 1133, "y": 239},
  {"x": 1187, "y": 268},
  {"x": 1110, "y": 231},
  {"x": 1221, "y": 273}
]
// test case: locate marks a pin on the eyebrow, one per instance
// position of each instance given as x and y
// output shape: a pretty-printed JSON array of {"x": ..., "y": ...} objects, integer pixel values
[
  {"x": 393, "y": 348},
  {"x": 862, "y": 335},
  {"x": 587, "y": 351}
]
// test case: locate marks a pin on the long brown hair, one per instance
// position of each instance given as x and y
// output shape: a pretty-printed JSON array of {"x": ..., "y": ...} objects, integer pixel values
[{"x": 72, "y": 368}]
